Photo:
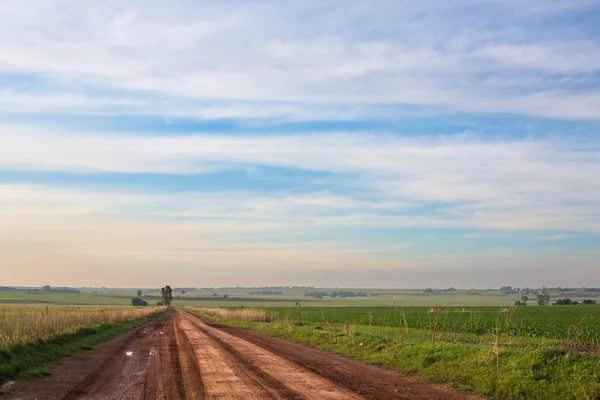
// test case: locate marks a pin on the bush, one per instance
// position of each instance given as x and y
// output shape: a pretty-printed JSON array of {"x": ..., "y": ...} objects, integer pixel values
[
  {"x": 137, "y": 302},
  {"x": 563, "y": 302}
]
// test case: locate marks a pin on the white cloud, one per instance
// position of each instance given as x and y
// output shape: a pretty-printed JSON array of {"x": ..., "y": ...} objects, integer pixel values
[
  {"x": 557, "y": 237},
  {"x": 547, "y": 183},
  {"x": 300, "y": 52},
  {"x": 296, "y": 61}
]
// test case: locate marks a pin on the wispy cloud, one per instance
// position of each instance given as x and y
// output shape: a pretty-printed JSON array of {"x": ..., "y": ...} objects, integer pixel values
[
  {"x": 388, "y": 136},
  {"x": 457, "y": 57}
]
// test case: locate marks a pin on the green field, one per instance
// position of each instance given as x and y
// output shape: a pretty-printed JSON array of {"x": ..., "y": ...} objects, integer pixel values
[
  {"x": 556, "y": 322},
  {"x": 550, "y": 352},
  {"x": 241, "y": 297},
  {"x": 62, "y": 298}
]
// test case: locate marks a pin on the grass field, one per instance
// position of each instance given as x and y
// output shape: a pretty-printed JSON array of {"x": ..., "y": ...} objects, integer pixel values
[
  {"x": 238, "y": 297},
  {"x": 29, "y": 324},
  {"x": 549, "y": 352}
]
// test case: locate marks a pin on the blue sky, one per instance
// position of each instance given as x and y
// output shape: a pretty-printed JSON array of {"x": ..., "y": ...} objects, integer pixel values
[{"x": 380, "y": 144}]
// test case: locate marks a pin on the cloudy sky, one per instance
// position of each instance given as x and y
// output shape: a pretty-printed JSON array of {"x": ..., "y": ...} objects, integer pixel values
[{"x": 386, "y": 143}]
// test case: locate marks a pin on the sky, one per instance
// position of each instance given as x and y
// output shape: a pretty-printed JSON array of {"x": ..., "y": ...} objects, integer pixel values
[{"x": 387, "y": 143}]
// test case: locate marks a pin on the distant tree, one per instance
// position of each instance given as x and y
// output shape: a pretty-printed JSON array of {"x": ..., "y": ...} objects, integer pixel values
[
  {"x": 524, "y": 299},
  {"x": 215, "y": 295},
  {"x": 589, "y": 302},
  {"x": 137, "y": 302},
  {"x": 139, "y": 292},
  {"x": 166, "y": 293},
  {"x": 46, "y": 287},
  {"x": 543, "y": 298},
  {"x": 159, "y": 303},
  {"x": 183, "y": 293},
  {"x": 225, "y": 296}
]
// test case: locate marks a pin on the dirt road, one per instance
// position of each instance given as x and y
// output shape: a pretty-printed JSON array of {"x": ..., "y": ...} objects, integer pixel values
[{"x": 183, "y": 357}]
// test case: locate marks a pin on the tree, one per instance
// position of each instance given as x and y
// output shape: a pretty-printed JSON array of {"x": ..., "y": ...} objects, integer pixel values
[
  {"x": 137, "y": 302},
  {"x": 159, "y": 303},
  {"x": 166, "y": 293},
  {"x": 225, "y": 296},
  {"x": 46, "y": 287},
  {"x": 183, "y": 293},
  {"x": 543, "y": 298},
  {"x": 139, "y": 293},
  {"x": 524, "y": 299}
]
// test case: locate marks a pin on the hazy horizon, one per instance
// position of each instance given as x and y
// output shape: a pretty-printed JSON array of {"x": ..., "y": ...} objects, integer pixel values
[
  {"x": 344, "y": 144},
  {"x": 135, "y": 288}
]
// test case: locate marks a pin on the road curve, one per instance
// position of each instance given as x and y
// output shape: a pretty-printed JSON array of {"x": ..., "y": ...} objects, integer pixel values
[{"x": 183, "y": 357}]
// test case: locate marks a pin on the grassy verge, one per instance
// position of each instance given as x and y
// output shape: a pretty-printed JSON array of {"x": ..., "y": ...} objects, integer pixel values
[
  {"x": 32, "y": 360},
  {"x": 494, "y": 365}
]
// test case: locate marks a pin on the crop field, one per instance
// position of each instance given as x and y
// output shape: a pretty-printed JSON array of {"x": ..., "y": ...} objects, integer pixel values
[
  {"x": 553, "y": 322},
  {"x": 245, "y": 297},
  {"x": 496, "y": 352},
  {"x": 29, "y": 324}
]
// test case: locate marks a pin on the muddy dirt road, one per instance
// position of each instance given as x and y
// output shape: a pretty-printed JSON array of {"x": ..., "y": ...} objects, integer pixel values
[{"x": 183, "y": 357}]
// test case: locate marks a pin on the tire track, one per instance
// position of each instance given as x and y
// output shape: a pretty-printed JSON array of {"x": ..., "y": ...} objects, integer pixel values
[
  {"x": 192, "y": 380},
  {"x": 123, "y": 374},
  {"x": 226, "y": 376},
  {"x": 278, "y": 377}
]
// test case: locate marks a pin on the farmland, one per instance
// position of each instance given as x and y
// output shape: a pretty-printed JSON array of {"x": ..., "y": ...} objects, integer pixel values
[
  {"x": 553, "y": 322},
  {"x": 236, "y": 297},
  {"x": 483, "y": 346},
  {"x": 500, "y": 353}
]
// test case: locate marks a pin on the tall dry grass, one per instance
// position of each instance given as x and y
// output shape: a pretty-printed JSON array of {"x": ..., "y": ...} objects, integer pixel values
[
  {"x": 240, "y": 314},
  {"x": 28, "y": 324}
]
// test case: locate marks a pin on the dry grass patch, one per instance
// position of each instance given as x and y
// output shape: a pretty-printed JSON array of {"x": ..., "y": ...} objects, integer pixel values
[
  {"x": 240, "y": 314},
  {"x": 28, "y": 324}
]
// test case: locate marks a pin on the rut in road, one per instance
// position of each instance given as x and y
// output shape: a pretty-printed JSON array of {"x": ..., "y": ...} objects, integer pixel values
[
  {"x": 253, "y": 371},
  {"x": 180, "y": 357}
]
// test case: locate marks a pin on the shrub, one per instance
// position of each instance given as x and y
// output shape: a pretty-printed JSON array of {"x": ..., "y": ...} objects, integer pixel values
[{"x": 137, "y": 302}]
